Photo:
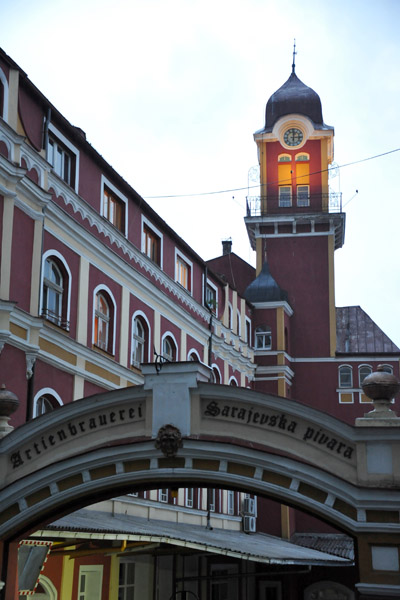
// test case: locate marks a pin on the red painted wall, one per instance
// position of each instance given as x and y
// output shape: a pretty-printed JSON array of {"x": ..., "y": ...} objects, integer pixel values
[{"x": 21, "y": 259}]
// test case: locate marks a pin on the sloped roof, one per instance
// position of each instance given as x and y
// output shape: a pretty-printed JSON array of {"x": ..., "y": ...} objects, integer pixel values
[
  {"x": 357, "y": 333},
  {"x": 332, "y": 543},
  {"x": 264, "y": 288},
  {"x": 257, "y": 547}
]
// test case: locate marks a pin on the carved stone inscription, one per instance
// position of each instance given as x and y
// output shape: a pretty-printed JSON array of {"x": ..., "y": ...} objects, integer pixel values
[
  {"x": 280, "y": 422},
  {"x": 74, "y": 430}
]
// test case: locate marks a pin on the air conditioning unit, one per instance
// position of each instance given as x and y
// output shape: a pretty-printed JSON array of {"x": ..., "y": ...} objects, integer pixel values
[
  {"x": 249, "y": 524},
  {"x": 249, "y": 506}
]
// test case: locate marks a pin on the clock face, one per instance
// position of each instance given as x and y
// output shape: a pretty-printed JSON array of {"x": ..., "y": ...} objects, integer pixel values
[{"x": 293, "y": 137}]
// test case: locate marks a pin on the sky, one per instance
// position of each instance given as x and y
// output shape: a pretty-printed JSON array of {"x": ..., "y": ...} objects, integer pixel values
[{"x": 170, "y": 93}]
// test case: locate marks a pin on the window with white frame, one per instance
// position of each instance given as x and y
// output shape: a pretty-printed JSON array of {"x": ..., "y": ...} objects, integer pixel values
[
  {"x": 63, "y": 157},
  {"x": 387, "y": 369},
  {"x": 55, "y": 293},
  {"x": 140, "y": 340},
  {"x": 302, "y": 157},
  {"x": 216, "y": 374},
  {"x": 248, "y": 331},
  {"x": 189, "y": 497},
  {"x": 53, "y": 288},
  {"x": 183, "y": 271},
  {"x": 284, "y": 158},
  {"x": 45, "y": 401},
  {"x": 303, "y": 195},
  {"x": 211, "y": 499},
  {"x": 285, "y": 196},
  {"x": 231, "y": 502},
  {"x": 169, "y": 350},
  {"x": 113, "y": 205},
  {"x": 163, "y": 495},
  {"x": 363, "y": 372},
  {"x": 152, "y": 242},
  {"x": 101, "y": 321},
  {"x": 126, "y": 580},
  {"x": 345, "y": 376},
  {"x": 211, "y": 297},
  {"x": 263, "y": 338}
]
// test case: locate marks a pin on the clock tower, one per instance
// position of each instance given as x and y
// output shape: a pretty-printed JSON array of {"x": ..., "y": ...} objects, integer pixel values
[{"x": 295, "y": 225}]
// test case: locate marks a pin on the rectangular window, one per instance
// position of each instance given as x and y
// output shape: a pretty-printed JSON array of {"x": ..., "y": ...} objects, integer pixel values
[
  {"x": 163, "y": 495},
  {"x": 114, "y": 210},
  {"x": 346, "y": 397},
  {"x": 151, "y": 245},
  {"x": 126, "y": 582},
  {"x": 183, "y": 271},
  {"x": 248, "y": 331},
  {"x": 303, "y": 195},
  {"x": 63, "y": 157},
  {"x": 189, "y": 497},
  {"x": 231, "y": 502},
  {"x": 285, "y": 196},
  {"x": 113, "y": 205},
  {"x": 211, "y": 299},
  {"x": 211, "y": 500}
]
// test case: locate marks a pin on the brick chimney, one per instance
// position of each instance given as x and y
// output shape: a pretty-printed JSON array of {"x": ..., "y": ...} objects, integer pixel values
[{"x": 226, "y": 246}]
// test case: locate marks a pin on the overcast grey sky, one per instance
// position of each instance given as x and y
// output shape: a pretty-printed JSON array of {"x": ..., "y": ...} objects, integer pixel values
[{"x": 170, "y": 92}]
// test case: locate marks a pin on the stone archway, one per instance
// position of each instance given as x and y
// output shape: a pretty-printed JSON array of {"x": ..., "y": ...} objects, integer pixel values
[{"x": 106, "y": 444}]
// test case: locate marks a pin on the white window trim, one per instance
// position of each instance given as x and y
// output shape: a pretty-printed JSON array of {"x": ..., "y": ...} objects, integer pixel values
[
  {"x": 302, "y": 154},
  {"x": 239, "y": 323},
  {"x": 189, "y": 503},
  {"x": 158, "y": 233},
  {"x": 302, "y": 204},
  {"x": 216, "y": 367},
  {"x": 96, "y": 290},
  {"x": 4, "y": 81},
  {"x": 284, "y": 155},
  {"x": 349, "y": 387},
  {"x": 233, "y": 378},
  {"x": 57, "y": 134},
  {"x": 141, "y": 314},
  {"x": 161, "y": 495},
  {"x": 193, "y": 351},
  {"x": 230, "y": 315},
  {"x": 189, "y": 263},
  {"x": 170, "y": 335},
  {"x": 49, "y": 254},
  {"x": 214, "y": 287},
  {"x": 107, "y": 183},
  {"x": 359, "y": 369},
  {"x": 348, "y": 391},
  {"x": 43, "y": 392},
  {"x": 247, "y": 338},
  {"x": 285, "y": 195}
]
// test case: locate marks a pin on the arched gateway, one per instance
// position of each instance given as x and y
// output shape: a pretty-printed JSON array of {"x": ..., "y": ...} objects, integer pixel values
[{"x": 109, "y": 443}]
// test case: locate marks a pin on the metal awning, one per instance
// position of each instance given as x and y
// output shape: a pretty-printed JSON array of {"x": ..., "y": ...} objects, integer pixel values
[{"x": 258, "y": 547}]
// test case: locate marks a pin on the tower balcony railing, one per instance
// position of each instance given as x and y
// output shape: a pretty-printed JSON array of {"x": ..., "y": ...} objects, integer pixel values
[{"x": 258, "y": 206}]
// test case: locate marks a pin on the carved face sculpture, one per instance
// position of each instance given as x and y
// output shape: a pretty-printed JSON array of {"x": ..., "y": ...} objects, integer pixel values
[{"x": 169, "y": 440}]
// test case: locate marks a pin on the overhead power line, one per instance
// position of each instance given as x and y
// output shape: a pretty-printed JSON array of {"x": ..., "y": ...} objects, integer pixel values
[{"x": 240, "y": 189}]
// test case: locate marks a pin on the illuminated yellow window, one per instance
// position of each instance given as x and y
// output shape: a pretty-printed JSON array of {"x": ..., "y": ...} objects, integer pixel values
[{"x": 346, "y": 398}]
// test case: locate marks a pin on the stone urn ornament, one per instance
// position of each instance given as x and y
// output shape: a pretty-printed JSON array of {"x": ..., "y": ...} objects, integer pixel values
[
  {"x": 381, "y": 387},
  {"x": 9, "y": 403}
]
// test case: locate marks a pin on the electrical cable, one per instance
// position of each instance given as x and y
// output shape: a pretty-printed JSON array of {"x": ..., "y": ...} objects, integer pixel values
[{"x": 356, "y": 162}]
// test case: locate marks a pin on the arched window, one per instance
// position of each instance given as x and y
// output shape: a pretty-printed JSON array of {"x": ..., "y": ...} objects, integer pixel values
[
  {"x": 284, "y": 158},
  {"x": 194, "y": 356},
  {"x": 101, "y": 322},
  {"x": 387, "y": 369},
  {"x": 169, "y": 349},
  {"x": 363, "y": 372},
  {"x": 3, "y": 96},
  {"x": 345, "y": 376},
  {"x": 230, "y": 313},
  {"x": 55, "y": 291},
  {"x": 238, "y": 323},
  {"x": 233, "y": 382},
  {"x": 139, "y": 341},
  {"x": 303, "y": 156},
  {"x": 263, "y": 338},
  {"x": 216, "y": 374},
  {"x": 46, "y": 401}
]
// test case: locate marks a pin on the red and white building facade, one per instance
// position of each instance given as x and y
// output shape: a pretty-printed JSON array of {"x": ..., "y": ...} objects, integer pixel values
[{"x": 93, "y": 283}]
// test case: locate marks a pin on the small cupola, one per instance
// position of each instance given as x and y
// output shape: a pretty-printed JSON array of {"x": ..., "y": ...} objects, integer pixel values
[{"x": 264, "y": 288}]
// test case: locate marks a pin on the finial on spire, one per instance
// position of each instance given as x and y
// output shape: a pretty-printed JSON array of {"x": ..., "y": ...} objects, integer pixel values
[{"x": 294, "y": 56}]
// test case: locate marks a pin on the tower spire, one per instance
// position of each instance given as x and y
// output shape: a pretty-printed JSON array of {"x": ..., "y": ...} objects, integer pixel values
[{"x": 294, "y": 56}]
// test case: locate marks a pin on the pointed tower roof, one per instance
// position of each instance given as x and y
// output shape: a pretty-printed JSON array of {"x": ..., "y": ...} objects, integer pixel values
[{"x": 264, "y": 288}]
